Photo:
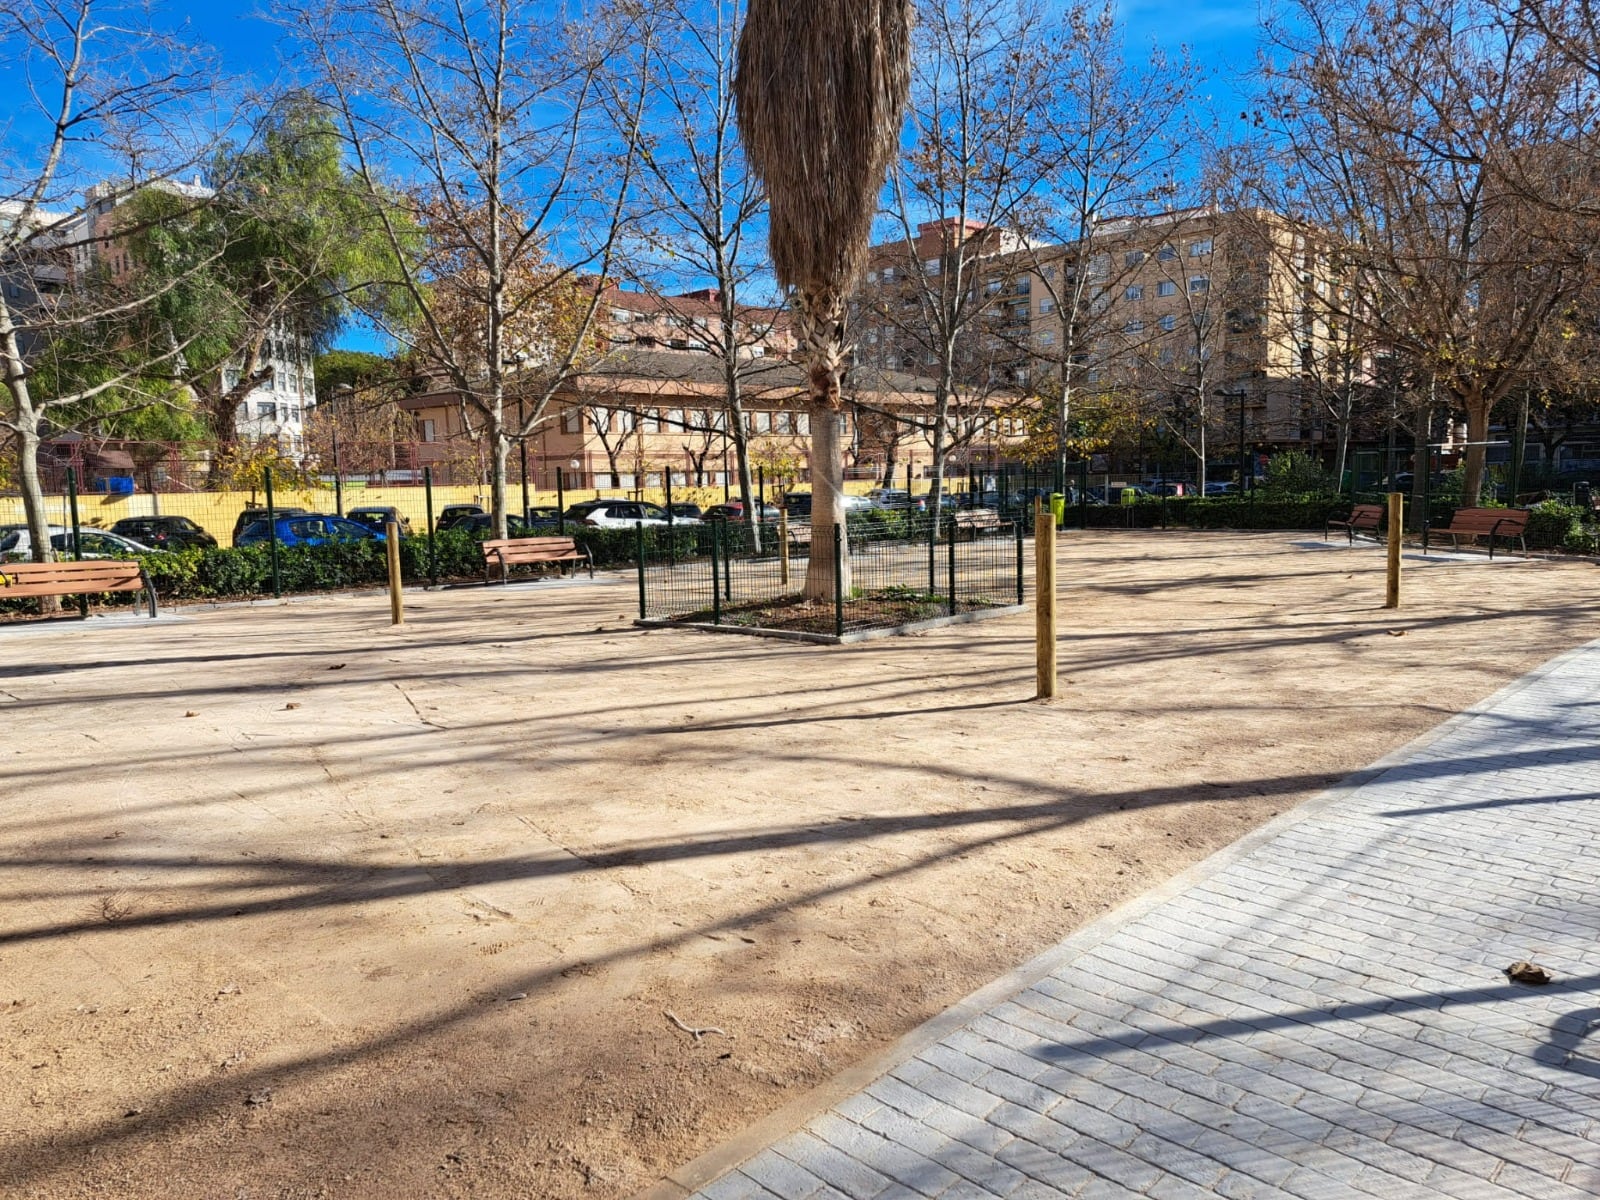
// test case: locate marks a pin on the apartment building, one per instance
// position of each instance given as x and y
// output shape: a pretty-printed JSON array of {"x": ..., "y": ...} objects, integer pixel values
[
  {"x": 692, "y": 323},
  {"x": 273, "y": 411},
  {"x": 1180, "y": 317}
]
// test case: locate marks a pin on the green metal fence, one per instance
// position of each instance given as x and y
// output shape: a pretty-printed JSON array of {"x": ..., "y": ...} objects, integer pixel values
[{"x": 900, "y": 568}]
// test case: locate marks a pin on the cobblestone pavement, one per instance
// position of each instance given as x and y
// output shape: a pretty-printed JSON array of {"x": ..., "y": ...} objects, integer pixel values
[{"x": 1318, "y": 1012}]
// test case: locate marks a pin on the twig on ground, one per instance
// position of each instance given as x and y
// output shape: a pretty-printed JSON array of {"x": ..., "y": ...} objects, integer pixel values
[{"x": 698, "y": 1033}]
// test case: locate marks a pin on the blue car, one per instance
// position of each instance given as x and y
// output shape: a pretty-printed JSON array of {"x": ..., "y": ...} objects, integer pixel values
[{"x": 308, "y": 529}]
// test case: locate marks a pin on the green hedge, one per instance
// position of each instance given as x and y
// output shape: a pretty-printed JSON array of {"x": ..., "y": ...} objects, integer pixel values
[
  {"x": 1553, "y": 525},
  {"x": 245, "y": 572}
]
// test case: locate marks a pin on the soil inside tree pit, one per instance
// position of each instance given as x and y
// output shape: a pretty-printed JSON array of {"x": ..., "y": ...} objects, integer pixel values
[
  {"x": 886, "y": 609},
  {"x": 294, "y": 904}
]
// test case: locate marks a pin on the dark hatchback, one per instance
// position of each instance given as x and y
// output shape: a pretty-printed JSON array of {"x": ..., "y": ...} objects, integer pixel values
[{"x": 165, "y": 533}]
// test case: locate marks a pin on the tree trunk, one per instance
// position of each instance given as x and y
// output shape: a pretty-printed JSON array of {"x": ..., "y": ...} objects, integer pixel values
[
  {"x": 1478, "y": 409},
  {"x": 33, "y": 508},
  {"x": 939, "y": 453},
  {"x": 500, "y": 450},
  {"x": 827, "y": 504}
]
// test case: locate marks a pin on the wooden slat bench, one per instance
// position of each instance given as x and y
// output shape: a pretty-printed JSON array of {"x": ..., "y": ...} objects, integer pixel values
[
  {"x": 1363, "y": 518},
  {"x": 1488, "y": 523},
  {"x": 975, "y": 522},
  {"x": 20, "y": 579},
  {"x": 532, "y": 551}
]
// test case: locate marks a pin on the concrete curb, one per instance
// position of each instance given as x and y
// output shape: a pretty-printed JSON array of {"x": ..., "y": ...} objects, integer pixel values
[{"x": 710, "y": 1166}]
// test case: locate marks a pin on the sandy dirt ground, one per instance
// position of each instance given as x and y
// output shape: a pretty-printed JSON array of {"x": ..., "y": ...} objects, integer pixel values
[{"x": 293, "y": 904}]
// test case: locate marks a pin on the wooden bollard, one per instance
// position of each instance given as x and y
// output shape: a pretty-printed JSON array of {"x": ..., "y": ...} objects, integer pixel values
[
  {"x": 1044, "y": 599},
  {"x": 396, "y": 605},
  {"x": 1392, "y": 595}
]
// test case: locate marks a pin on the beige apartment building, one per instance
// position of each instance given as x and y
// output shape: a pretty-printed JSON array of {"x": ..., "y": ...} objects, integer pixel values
[{"x": 1180, "y": 317}]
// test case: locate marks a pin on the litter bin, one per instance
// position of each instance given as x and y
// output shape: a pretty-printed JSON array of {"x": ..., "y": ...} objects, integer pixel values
[
  {"x": 1583, "y": 494},
  {"x": 1130, "y": 495},
  {"x": 1058, "y": 508}
]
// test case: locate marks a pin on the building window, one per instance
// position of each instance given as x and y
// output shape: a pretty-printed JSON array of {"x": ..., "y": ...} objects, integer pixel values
[
  {"x": 802, "y": 426},
  {"x": 1166, "y": 254},
  {"x": 761, "y": 421},
  {"x": 1199, "y": 283},
  {"x": 1133, "y": 327},
  {"x": 1047, "y": 337},
  {"x": 1169, "y": 323},
  {"x": 650, "y": 420},
  {"x": 429, "y": 431},
  {"x": 1166, "y": 288},
  {"x": 872, "y": 277},
  {"x": 931, "y": 266},
  {"x": 1133, "y": 258},
  {"x": 888, "y": 274},
  {"x": 1134, "y": 291},
  {"x": 1200, "y": 249},
  {"x": 1046, "y": 307}
]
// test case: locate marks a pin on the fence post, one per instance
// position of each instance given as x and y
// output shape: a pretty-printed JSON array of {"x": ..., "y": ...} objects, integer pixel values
[
  {"x": 338, "y": 478},
  {"x": 1020, "y": 592},
  {"x": 716, "y": 584},
  {"x": 391, "y": 537},
  {"x": 727, "y": 563},
  {"x": 272, "y": 533},
  {"x": 561, "y": 504},
  {"x": 838, "y": 582},
  {"x": 933, "y": 537},
  {"x": 433, "y": 552},
  {"x": 77, "y": 542},
  {"x": 761, "y": 476},
  {"x": 1083, "y": 494},
  {"x": 638, "y": 547},
  {"x": 522, "y": 448},
  {"x": 1044, "y": 603},
  {"x": 783, "y": 545},
  {"x": 950, "y": 543},
  {"x": 672, "y": 539}
]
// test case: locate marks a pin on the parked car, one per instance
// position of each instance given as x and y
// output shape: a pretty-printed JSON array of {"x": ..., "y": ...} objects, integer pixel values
[
  {"x": 309, "y": 529},
  {"x": 16, "y": 545},
  {"x": 377, "y": 517},
  {"x": 681, "y": 510},
  {"x": 733, "y": 510},
  {"x": 1221, "y": 487},
  {"x": 888, "y": 498},
  {"x": 542, "y": 517},
  {"x": 622, "y": 514},
  {"x": 452, "y": 515},
  {"x": 165, "y": 533},
  {"x": 481, "y": 525},
  {"x": 251, "y": 515}
]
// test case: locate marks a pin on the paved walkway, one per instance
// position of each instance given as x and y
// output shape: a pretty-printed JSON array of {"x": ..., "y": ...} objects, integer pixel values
[{"x": 1318, "y": 1012}]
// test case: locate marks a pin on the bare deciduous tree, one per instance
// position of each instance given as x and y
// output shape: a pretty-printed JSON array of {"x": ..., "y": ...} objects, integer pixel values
[
  {"x": 1409, "y": 140},
  {"x": 109, "y": 95},
  {"x": 493, "y": 121}
]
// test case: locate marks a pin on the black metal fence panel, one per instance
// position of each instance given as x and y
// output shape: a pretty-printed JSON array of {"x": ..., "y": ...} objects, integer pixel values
[{"x": 898, "y": 568}]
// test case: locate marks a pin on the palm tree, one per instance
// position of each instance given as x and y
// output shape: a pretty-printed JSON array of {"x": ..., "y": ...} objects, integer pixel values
[{"x": 821, "y": 91}]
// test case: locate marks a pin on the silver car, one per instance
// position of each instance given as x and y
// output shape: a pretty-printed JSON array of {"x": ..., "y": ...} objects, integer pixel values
[{"x": 16, "y": 545}]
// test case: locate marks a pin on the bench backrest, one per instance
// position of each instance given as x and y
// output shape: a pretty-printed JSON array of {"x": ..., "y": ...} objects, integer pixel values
[
  {"x": 530, "y": 549},
  {"x": 1502, "y": 521},
  {"x": 68, "y": 578},
  {"x": 1363, "y": 515}
]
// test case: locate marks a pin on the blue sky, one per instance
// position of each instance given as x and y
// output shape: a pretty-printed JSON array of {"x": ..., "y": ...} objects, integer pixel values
[{"x": 1220, "y": 36}]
